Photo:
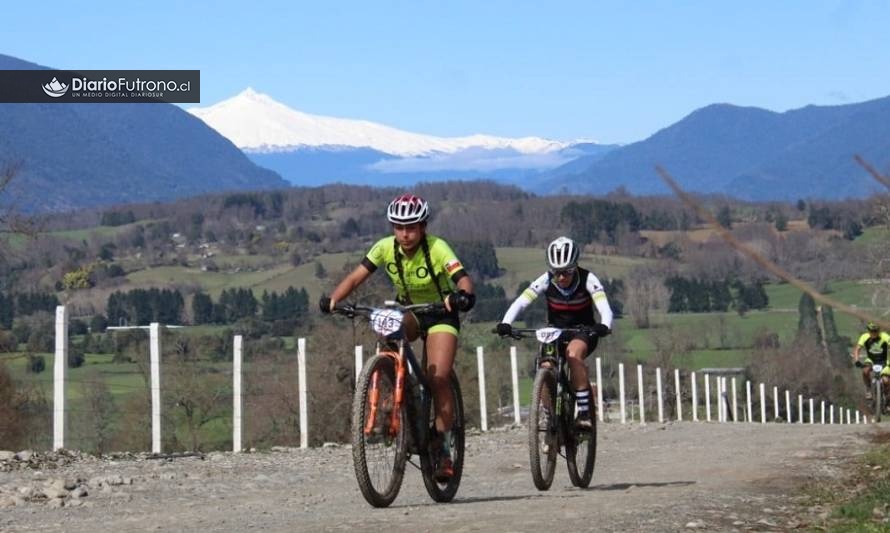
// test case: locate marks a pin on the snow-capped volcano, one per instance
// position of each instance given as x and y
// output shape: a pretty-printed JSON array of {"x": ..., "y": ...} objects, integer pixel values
[{"x": 255, "y": 122}]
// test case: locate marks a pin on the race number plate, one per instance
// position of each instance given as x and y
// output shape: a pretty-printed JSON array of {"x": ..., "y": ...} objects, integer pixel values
[
  {"x": 548, "y": 335},
  {"x": 386, "y": 321}
]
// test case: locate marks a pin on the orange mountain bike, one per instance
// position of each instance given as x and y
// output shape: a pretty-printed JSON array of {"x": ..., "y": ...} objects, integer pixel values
[{"x": 392, "y": 414}]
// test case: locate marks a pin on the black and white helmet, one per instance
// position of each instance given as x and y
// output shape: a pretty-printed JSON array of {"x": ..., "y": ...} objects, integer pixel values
[
  {"x": 562, "y": 253},
  {"x": 408, "y": 209}
]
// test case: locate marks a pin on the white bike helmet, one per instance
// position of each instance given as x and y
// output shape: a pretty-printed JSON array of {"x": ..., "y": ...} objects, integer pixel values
[
  {"x": 562, "y": 253},
  {"x": 408, "y": 209}
]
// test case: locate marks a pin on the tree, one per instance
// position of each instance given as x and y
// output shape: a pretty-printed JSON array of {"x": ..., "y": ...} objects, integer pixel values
[
  {"x": 36, "y": 363},
  {"x": 7, "y": 313},
  {"x": 478, "y": 257},
  {"x": 202, "y": 308},
  {"x": 98, "y": 324},
  {"x": 807, "y": 324},
  {"x": 724, "y": 217},
  {"x": 320, "y": 271}
]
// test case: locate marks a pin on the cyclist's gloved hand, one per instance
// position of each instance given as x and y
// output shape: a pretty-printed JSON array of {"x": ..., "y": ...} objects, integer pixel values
[
  {"x": 601, "y": 330},
  {"x": 858, "y": 363},
  {"x": 324, "y": 304},
  {"x": 503, "y": 329},
  {"x": 461, "y": 300}
]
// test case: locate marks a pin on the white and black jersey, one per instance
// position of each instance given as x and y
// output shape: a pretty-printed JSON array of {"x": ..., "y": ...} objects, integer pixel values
[{"x": 566, "y": 307}]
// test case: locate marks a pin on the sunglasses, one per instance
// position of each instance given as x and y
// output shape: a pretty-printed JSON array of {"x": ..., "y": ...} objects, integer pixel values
[{"x": 563, "y": 273}]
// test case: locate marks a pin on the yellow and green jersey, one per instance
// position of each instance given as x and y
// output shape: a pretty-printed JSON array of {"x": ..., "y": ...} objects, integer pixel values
[
  {"x": 875, "y": 347},
  {"x": 417, "y": 284}
]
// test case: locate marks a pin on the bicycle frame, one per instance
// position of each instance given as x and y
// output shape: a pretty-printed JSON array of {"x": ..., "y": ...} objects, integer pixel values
[
  {"x": 555, "y": 351},
  {"x": 403, "y": 358}
]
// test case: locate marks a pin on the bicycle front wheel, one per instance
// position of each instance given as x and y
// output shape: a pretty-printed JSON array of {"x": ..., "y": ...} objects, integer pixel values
[
  {"x": 543, "y": 443},
  {"x": 443, "y": 490},
  {"x": 379, "y": 433},
  {"x": 878, "y": 393},
  {"x": 580, "y": 447}
]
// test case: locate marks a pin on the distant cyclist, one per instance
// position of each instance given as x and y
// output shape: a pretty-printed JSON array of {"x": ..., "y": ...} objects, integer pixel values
[
  {"x": 423, "y": 269},
  {"x": 571, "y": 293},
  {"x": 876, "y": 343}
]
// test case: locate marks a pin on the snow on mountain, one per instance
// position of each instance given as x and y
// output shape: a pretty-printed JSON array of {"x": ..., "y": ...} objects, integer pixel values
[{"x": 255, "y": 122}]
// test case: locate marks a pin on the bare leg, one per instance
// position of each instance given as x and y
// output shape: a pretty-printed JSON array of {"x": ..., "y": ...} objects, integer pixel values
[
  {"x": 440, "y": 350},
  {"x": 577, "y": 351}
]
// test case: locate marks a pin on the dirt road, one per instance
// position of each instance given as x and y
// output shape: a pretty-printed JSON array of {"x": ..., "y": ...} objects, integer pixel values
[{"x": 656, "y": 478}]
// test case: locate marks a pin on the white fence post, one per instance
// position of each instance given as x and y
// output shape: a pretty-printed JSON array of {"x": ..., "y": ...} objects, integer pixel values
[
  {"x": 735, "y": 405},
  {"x": 599, "y": 388},
  {"x": 788, "y": 406},
  {"x": 660, "y": 405},
  {"x": 812, "y": 413},
  {"x": 848, "y": 417},
  {"x": 359, "y": 362},
  {"x": 641, "y": 394},
  {"x": 621, "y": 392},
  {"x": 822, "y": 404},
  {"x": 60, "y": 370},
  {"x": 694, "y": 398},
  {"x": 236, "y": 395},
  {"x": 303, "y": 393},
  {"x": 707, "y": 397},
  {"x": 762, "y": 403},
  {"x": 679, "y": 402},
  {"x": 155, "y": 364},
  {"x": 857, "y": 416},
  {"x": 775, "y": 404},
  {"x": 483, "y": 411},
  {"x": 719, "y": 398},
  {"x": 748, "y": 400},
  {"x": 831, "y": 413},
  {"x": 800, "y": 408},
  {"x": 514, "y": 372}
]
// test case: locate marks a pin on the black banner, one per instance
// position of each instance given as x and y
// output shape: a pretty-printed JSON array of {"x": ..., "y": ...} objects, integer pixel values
[{"x": 100, "y": 86}]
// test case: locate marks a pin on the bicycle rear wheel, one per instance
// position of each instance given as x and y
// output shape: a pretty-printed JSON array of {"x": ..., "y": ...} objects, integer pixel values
[
  {"x": 543, "y": 442},
  {"x": 443, "y": 491},
  {"x": 580, "y": 446},
  {"x": 379, "y": 450}
]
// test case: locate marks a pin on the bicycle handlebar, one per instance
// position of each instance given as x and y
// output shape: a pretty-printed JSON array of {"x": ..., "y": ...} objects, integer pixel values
[
  {"x": 524, "y": 333},
  {"x": 351, "y": 310}
]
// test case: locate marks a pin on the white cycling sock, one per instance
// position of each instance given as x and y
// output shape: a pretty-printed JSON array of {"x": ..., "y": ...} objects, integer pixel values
[{"x": 582, "y": 399}]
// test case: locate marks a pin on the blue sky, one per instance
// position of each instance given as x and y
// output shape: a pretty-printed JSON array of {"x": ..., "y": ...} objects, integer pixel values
[{"x": 612, "y": 72}]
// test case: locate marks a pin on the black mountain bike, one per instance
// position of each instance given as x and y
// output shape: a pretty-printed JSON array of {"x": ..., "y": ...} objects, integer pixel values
[
  {"x": 392, "y": 412},
  {"x": 551, "y": 418}
]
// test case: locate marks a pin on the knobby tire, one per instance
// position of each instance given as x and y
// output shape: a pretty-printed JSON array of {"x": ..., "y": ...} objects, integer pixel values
[
  {"x": 379, "y": 472},
  {"x": 541, "y": 433},
  {"x": 443, "y": 492}
]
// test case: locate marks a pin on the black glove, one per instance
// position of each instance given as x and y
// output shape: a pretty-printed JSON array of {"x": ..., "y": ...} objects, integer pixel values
[
  {"x": 601, "y": 330},
  {"x": 461, "y": 300},
  {"x": 503, "y": 329},
  {"x": 858, "y": 363},
  {"x": 324, "y": 304}
]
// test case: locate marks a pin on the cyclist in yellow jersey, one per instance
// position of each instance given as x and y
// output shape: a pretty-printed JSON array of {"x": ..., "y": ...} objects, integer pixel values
[
  {"x": 423, "y": 269},
  {"x": 876, "y": 343}
]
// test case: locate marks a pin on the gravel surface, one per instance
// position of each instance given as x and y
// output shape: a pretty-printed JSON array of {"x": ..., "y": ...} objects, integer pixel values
[{"x": 673, "y": 477}]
